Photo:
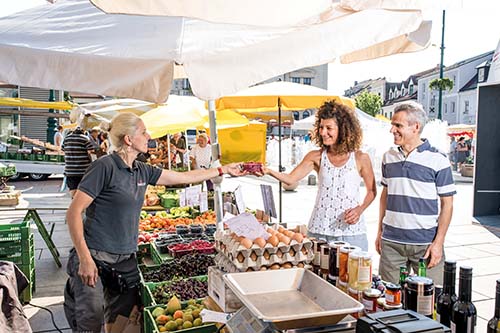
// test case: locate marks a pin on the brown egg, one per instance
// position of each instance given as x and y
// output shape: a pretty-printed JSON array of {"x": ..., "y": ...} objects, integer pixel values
[
  {"x": 260, "y": 242},
  {"x": 289, "y": 233},
  {"x": 240, "y": 238},
  {"x": 267, "y": 255},
  {"x": 263, "y": 268},
  {"x": 249, "y": 269},
  {"x": 253, "y": 256},
  {"x": 298, "y": 237},
  {"x": 285, "y": 240},
  {"x": 247, "y": 243},
  {"x": 281, "y": 229},
  {"x": 240, "y": 257},
  {"x": 275, "y": 266},
  {"x": 280, "y": 236},
  {"x": 287, "y": 265},
  {"x": 273, "y": 240},
  {"x": 300, "y": 265},
  {"x": 271, "y": 231}
]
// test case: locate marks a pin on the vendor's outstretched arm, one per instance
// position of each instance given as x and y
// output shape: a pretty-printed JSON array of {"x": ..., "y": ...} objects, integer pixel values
[
  {"x": 169, "y": 177},
  {"x": 300, "y": 171}
]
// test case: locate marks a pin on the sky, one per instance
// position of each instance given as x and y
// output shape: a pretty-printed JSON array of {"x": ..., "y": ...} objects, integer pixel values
[{"x": 471, "y": 29}]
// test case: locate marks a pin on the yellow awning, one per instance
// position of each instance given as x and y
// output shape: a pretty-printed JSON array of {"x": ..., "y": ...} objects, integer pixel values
[{"x": 28, "y": 103}]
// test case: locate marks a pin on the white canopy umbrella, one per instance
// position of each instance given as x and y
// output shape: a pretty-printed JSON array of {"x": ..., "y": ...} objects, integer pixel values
[{"x": 72, "y": 45}]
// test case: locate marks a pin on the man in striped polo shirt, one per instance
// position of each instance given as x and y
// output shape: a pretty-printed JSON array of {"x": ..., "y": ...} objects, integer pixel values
[
  {"x": 77, "y": 149},
  {"x": 416, "y": 203}
]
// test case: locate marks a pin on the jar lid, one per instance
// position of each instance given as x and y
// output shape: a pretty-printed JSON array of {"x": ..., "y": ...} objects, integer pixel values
[
  {"x": 372, "y": 293},
  {"x": 392, "y": 307},
  {"x": 338, "y": 244},
  {"x": 364, "y": 254},
  {"x": 393, "y": 287},
  {"x": 348, "y": 249},
  {"x": 414, "y": 281},
  {"x": 353, "y": 291},
  {"x": 354, "y": 255}
]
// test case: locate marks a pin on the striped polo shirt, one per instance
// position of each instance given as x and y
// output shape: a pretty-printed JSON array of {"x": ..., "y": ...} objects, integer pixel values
[
  {"x": 414, "y": 184},
  {"x": 76, "y": 154}
]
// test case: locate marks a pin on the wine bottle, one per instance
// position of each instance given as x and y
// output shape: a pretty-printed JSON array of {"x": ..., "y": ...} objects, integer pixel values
[
  {"x": 448, "y": 297},
  {"x": 494, "y": 323},
  {"x": 464, "y": 314},
  {"x": 422, "y": 267}
]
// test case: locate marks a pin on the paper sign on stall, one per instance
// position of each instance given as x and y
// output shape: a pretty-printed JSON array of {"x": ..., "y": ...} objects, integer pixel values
[
  {"x": 193, "y": 195},
  {"x": 203, "y": 201},
  {"x": 238, "y": 196},
  {"x": 182, "y": 198},
  {"x": 246, "y": 225}
]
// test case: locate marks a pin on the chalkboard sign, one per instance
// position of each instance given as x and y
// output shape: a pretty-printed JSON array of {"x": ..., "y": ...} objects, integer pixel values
[{"x": 268, "y": 198}]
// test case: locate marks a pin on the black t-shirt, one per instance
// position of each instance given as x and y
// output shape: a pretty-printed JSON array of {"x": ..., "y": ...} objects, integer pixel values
[{"x": 112, "y": 219}]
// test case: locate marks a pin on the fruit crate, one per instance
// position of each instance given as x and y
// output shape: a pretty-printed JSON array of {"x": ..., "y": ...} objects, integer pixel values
[
  {"x": 149, "y": 288},
  {"x": 27, "y": 293},
  {"x": 150, "y": 325},
  {"x": 148, "y": 255}
]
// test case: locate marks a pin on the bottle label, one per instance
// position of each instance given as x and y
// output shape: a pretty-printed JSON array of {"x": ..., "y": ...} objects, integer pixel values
[
  {"x": 369, "y": 305},
  {"x": 364, "y": 274},
  {"x": 424, "y": 305},
  {"x": 389, "y": 298}
]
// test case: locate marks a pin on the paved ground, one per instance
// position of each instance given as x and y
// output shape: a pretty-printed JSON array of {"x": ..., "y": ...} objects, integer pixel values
[{"x": 468, "y": 243}]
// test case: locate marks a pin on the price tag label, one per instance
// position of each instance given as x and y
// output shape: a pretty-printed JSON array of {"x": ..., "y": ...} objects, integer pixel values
[
  {"x": 203, "y": 201},
  {"x": 182, "y": 198},
  {"x": 246, "y": 225},
  {"x": 193, "y": 195}
]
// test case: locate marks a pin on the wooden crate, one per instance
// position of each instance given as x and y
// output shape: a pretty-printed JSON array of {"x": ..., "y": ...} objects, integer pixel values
[{"x": 220, "y": 293}]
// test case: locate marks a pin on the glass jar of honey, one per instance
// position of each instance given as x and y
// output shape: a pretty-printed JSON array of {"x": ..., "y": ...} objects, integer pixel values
[
  {"x": 360, "y": 270},
  {"x": 343, "y": 261}
]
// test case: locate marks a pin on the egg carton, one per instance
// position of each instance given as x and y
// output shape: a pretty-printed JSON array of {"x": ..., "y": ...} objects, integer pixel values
[{"x": 256, "y": 262}]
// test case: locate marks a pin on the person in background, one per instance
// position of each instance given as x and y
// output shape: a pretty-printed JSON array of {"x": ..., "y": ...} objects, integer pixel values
[
  {"x": 201, "y": 156},
  {"x": 179, "y": 143},
  {"x": 104, "y": 143},
  {"x": 416, "y": 203},
  {"x": 94, "y": 138},
  {"x": 77, "y": 149},
  {"x": 58, "y": 136},
  {"x": 453, "y": 152},
  {"x": 341, "y": 166},
  {"x": 111, "y": 194},
  {"x": 462, "y": 151}
]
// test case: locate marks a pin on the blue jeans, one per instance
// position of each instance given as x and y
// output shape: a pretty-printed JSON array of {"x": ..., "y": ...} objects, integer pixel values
[{"x": 357, "y": 240}]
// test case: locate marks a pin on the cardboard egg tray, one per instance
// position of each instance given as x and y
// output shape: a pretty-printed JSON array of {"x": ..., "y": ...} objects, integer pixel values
[{"x": 255, "y": 257}]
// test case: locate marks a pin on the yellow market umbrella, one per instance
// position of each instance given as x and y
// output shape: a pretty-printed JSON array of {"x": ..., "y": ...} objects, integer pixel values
[
  {"x": 185, "y": 112},
  {"x": 274, "y": 98},
  {"x": 28, "y": 103}
]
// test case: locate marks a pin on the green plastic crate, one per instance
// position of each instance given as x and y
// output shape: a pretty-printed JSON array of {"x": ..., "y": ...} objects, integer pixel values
[
  {"x": 19, "y": 254},
  {"x": 38, "y": 157},
  {"x": 150, "y": 325},
  {"x": 149, "y": 288},
  {"x": 27, "y": 293},
  {"x": 14, "y": 232}
]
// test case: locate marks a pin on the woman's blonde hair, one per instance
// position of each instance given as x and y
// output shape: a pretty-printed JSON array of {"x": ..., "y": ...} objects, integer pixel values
[{"x": 121, "y": 125}]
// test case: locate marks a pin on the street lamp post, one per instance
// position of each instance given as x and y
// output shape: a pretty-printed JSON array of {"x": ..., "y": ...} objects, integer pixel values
[
  {"x": 440, "y": 101},
  {"x": 51, "y": 122}
]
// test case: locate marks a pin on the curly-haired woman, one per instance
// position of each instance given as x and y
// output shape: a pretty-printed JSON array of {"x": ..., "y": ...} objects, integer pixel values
[{"x": 337, "y": 214}]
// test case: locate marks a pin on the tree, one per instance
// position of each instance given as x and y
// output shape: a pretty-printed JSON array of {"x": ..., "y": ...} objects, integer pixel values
[
  {"x": 443, "y": 84},
  {"x": 369, "y": 103}
]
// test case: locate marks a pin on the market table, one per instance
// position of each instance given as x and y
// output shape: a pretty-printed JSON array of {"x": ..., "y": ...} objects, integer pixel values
[{"x": 32, "y": 204}]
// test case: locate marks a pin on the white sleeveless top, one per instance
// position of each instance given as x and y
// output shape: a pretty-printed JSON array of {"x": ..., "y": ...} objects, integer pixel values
[{"x": 338, "y": 190}]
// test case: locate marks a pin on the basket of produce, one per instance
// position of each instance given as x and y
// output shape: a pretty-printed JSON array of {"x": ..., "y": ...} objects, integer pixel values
[
  {"x": 184, "y": 289},
  {"x": 177, "y": 316},
  {"x": 195, "y": 264},
  {"x": 169, "y": 200},
  {"x": 180, "y": 249}
]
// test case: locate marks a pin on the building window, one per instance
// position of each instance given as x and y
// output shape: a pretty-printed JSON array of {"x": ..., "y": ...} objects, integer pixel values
[
  {"x": 295, "y": 79},
  {"x": 480, "y": 74},
  {"x": 305, "y": 114},
  {"x": 186, "y": 85},
  {"x": 433, "y": 100},
  {"x": 452, "y": 107},
  {"x": 307, "y": 81},
  {"x": 390, "y": 94},
  {"x": 411, "y": 89},
  {"x": 296, "y": 115},
  {"x": 445, "y": 108},
  {"x": 466, "y": 107}
]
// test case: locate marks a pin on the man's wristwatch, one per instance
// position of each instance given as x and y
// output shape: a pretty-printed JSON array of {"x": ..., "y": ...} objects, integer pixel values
[{"x": 221, "y": 173}]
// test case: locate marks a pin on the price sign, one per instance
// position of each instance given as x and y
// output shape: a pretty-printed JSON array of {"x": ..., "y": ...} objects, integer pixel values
[
  {"x": 203, "y": 201},
  {"x": 268, "y": 198},
  {"x": 246, "y": 225},
  {"x": 193, "y": 195}
]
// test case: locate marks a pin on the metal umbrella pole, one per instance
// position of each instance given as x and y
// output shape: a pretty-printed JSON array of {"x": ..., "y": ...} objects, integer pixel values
[
  {"x": 280, "y": 167},
  {"x": 218, "y": 205}
]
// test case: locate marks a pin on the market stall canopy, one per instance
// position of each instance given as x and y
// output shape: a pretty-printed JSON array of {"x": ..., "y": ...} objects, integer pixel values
[
  {"x": 365, "y": 120},
  {"x": 28, "y": 103},
  {"x": 72, "y": 45},
  {"x": 184, "y": 112},
  {"x": 461, "y": 130},
  {"x": 235, "y": 11},
  {"x": 270, "y": 96}
]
